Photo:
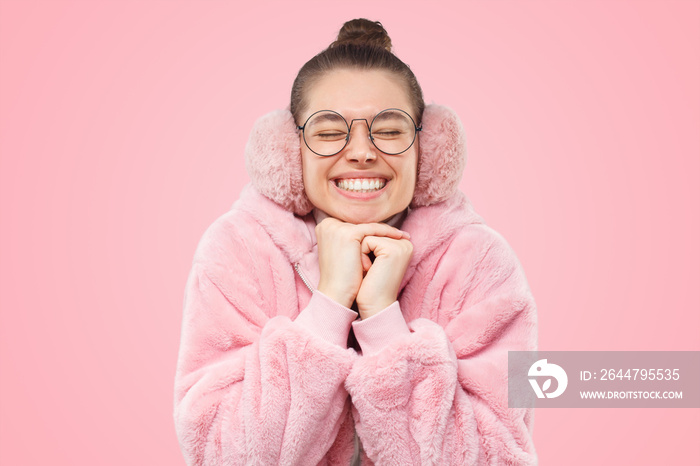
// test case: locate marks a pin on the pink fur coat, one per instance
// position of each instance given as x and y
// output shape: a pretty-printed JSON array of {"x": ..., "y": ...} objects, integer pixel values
[{"x": 265, "y": 375}]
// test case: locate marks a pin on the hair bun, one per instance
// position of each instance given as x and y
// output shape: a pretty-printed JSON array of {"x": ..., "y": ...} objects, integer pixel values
[{"x": 363, "y": 32}]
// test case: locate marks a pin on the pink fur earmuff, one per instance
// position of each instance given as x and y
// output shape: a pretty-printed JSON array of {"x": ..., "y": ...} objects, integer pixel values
[{"x": 273, "y": 159}]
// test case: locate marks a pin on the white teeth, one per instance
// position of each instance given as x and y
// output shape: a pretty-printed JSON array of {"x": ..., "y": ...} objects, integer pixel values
[{"x": 362, "y": 185}]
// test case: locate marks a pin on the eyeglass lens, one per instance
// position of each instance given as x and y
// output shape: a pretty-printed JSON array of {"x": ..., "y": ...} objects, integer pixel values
[{"x": 392, "y": 132}]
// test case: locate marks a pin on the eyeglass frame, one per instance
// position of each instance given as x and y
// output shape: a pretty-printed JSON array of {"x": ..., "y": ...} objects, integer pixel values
[{"x": 369, "y": 131}]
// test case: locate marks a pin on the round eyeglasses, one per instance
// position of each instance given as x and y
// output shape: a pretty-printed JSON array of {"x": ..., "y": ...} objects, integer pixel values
[{"x": 392, "y": 131}]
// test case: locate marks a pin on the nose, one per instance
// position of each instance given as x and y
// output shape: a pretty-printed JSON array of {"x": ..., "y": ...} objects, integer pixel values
[{"x": 360, "y": 147}]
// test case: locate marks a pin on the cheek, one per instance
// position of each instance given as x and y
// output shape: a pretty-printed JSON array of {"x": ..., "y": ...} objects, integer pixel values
[
  {"x": 412, "y": 175},
  {"x": 409, "y": 170},
  {"x": 307, "y": 170},
  {"x": 313, "y": 172}
]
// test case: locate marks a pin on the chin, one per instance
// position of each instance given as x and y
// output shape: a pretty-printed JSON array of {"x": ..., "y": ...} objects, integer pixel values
[
  {"x": 358, "y": 219},
  {"x": 369, "y": 216}
]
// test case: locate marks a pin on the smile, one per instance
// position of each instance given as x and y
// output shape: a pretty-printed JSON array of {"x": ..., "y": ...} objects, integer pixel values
[{"x": 360, "y": 185}]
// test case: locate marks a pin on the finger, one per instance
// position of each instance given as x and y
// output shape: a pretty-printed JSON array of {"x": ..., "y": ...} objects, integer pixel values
[
  {"x": 378, "y": 245},
  {"x": 369, "y": 244},
  {"x": 380, "y": 229},
  {"x": 366, "y": 262},
  {"x": 364, "y": 229},
  {"x": 327, "y": 224},
  {"x": 382, "y": 245}
]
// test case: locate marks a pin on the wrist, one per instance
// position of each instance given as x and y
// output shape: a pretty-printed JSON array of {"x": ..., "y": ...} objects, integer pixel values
[
  {"x": 344, "y": 299},
  {"x": 367, "y": 311}
]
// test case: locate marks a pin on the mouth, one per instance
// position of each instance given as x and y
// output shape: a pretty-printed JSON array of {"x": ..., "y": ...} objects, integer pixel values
[{"x": 361, "y": 185}]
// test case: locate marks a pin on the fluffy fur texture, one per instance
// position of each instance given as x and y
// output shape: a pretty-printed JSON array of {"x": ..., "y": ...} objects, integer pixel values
[
  {"x": 443, "y": 153},
  {"x": 273, "y": 159},
  {"x": 264, "y": 375}
]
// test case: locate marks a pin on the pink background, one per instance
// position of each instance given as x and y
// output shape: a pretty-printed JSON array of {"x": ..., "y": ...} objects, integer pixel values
[{"x": 122, "y": 127}]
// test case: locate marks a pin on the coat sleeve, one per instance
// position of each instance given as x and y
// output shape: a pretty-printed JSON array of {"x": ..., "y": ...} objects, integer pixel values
[
  {"x": 251, "y": 386},
  {"x": 437, "y": 393}
]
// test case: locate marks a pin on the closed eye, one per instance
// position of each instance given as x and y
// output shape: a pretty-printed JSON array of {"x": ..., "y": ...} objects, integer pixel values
[
  {"x": 337, "y": 135},
  {"x": 387, "y": 133}
]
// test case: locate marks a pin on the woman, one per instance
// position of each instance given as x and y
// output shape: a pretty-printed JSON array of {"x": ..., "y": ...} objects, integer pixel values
[{"x": 352, "y": 306}]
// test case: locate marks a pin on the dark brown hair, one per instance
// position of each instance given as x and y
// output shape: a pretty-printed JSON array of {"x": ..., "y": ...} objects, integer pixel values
[{"x": 361, "y": 44}]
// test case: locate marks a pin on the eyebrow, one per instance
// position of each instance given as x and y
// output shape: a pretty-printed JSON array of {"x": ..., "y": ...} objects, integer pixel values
[
  {"x": 386, "y": 115},
  {"x": 327, "y": 117}
]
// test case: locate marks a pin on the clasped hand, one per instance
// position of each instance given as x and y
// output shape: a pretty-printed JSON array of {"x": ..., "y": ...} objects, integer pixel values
[{"x": 347, "y": 272}]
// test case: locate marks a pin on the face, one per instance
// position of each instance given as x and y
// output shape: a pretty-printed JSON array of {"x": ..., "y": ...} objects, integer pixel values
[{"x": 386, "y": 182}]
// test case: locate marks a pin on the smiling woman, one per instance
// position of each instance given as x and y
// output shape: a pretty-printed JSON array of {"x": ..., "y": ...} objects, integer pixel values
[
  {"x": 339, "y": 184},
  {"x": 352, "y": 308}
]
